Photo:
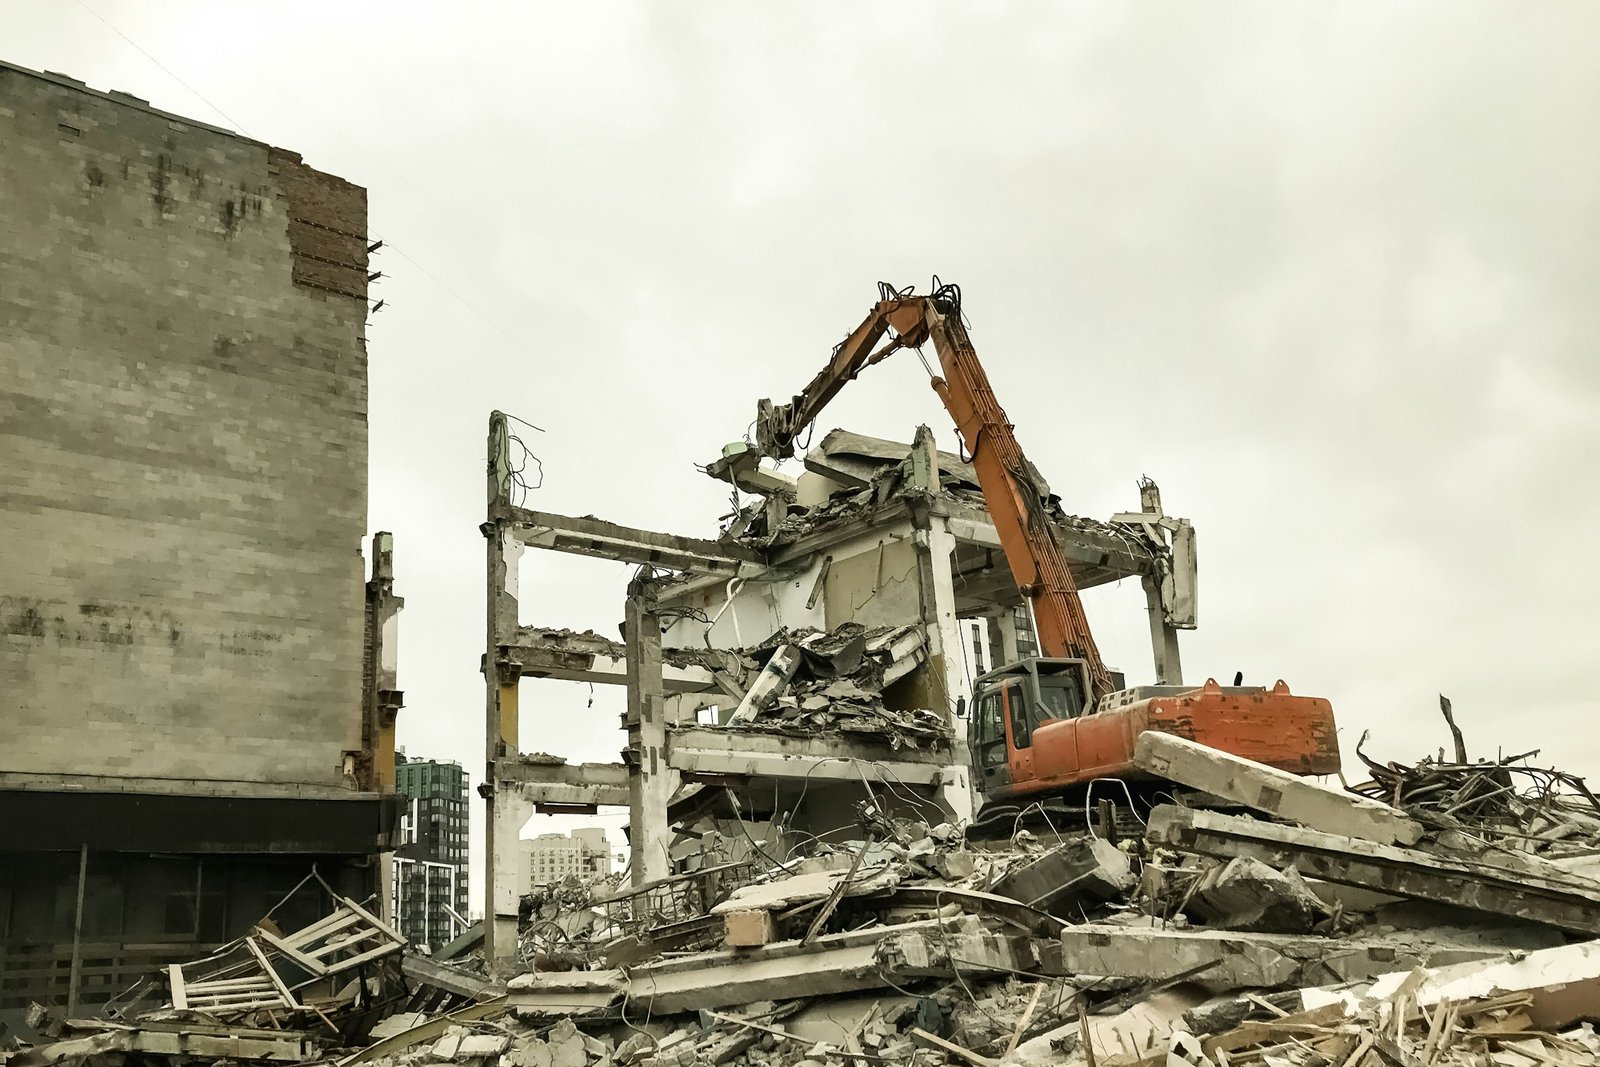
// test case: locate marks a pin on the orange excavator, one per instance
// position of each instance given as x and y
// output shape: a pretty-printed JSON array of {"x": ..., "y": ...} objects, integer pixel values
[{"x": 1048, "y": 725}]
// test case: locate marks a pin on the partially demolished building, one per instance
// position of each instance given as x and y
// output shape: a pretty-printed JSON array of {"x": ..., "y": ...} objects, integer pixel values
[
  {"x": 853, "y": 577},
  {"x": 197, "y": 680}
]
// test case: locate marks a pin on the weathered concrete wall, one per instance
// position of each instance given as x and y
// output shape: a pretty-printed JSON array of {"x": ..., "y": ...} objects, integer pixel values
[{"x": 183, "y": 447}]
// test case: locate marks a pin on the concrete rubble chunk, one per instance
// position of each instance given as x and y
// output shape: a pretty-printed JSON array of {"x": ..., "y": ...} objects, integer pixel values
[
  {"x": 480, "y": 1046},
  {"x": 1275, "y": 792},
  {"x": 448, "y": 1046},
  {"x": 529, "y": 1053},
  {"x": 948, "y": 950},
  {"x": 559, "y": 993},
  {"x": 1246, "y": 894},
  {"x": 1064, "y": 880},
  {"x": 747, "y": 928}
]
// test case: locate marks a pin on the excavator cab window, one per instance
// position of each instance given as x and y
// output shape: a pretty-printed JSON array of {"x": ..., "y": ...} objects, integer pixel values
[
  {"x": 1022, "y": 712},
  {"x": 1061, "y": 696},
  {"x": 988, "y": 732}
]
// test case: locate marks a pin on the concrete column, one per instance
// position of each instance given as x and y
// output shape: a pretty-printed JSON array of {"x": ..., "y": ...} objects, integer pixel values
[
  {"x": 649, "y": 779},
  {"x": 1003, "y": 630},
  {"x": 1163, "y": 638},
  {"x": 504, "y": 811},
  {"x": 944, "y": 639}
]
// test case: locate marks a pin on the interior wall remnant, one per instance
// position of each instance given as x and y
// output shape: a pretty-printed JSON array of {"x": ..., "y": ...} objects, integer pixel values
[{"x": 878, "y": 585}]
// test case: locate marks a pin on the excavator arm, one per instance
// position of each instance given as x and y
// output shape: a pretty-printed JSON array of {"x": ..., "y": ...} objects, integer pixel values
[{"x": 1009, "y": 487}]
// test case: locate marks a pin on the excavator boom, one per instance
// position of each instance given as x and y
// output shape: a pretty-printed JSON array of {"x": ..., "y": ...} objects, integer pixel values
[{"x": 1013, "y": 494}]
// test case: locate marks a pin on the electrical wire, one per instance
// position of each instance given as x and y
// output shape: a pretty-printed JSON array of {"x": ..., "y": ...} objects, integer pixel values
[{"x": 235, "y": 123}]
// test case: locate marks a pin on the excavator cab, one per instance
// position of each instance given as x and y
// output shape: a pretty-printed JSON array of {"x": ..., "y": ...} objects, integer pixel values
[{"x": 1011, "y": 702}]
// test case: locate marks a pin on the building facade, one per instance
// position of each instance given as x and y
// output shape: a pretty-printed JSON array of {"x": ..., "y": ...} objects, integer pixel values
[
  {"x": 430, "y": 867},
  {"x": 585, "y": 854},
  {"x": 190, "y": 701}
]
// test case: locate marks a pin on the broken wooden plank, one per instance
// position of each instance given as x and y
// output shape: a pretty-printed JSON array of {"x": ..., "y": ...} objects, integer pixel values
[
  {"x": 1275, "y": 792},
  {"x": 1562, "y": 984},
  {"x": 307, "y": 963},
  {"x": 354, "y": 961},
  {"x": 373, "y": 920},
  {"x": 337, "y": 920},
  {"x": 1571, "y": 904},
  {"x": 180, "y": 997},
  {"x": 954, "y": 1049},
  {"x": 266, "y": 965}
]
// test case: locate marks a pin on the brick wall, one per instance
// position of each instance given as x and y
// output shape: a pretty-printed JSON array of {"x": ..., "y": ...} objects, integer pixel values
[{"x": 183, "y": 447}]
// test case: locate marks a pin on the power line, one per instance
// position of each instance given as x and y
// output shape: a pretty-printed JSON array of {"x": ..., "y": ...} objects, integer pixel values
[{"x": 111, "y": 26}]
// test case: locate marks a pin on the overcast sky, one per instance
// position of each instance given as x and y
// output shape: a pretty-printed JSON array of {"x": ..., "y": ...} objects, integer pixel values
[{"x": 1327, "y": 272}]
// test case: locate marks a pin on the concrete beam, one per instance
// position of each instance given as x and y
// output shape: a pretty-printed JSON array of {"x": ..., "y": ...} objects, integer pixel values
[
  {"x": 1520, "y": 888},
  {"x": 559, "y": 993},
  {"x": 830, "y": 964},
  {"x": 191, "y": 1040},
  {"x": 542, "y": 652},
  {"x": 1273, "y": 791},
  {"x": 1096, "y": 552},
  {"x": 715, "y": 750},
  {"x": 1240, "y": 960},
  {"x": 588, "y": 536},
  {"x": 442, "y": 976},
  {"x": 604, "y": 784}
]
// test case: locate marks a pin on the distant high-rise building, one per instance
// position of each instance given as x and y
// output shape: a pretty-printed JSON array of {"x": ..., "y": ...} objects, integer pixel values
[
  {"x": 430, "y": 867},
  {"x": 552, "y": 857}
]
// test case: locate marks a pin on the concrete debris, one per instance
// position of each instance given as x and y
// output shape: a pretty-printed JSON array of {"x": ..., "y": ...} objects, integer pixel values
[
  {"x": 1068, "y": 879},
  {"x": 1246, "y": 894},
  {"x": 1502, "y": 886},
  {"x": 1215, "y": 940},
  {"x": 819, "y": 683}
]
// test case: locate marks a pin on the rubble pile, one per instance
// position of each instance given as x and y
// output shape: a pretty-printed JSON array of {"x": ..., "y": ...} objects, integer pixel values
[
  {"x": 814, "y": 683},
  {"x": 1505, "y": 804},
  {"x": 1264, "y": 919}
]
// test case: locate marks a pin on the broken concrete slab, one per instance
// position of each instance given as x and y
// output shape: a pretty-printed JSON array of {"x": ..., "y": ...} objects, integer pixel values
[
  {"x": 558, "y": 993},
  {"x": 1246, "y": 894},
  {"x": 1066, "y": 879},
  {"x": 1275, "y": 792},
  {"x": 482, "y": 1046},
  {"x": 1224, "y": 961},
  {"x": 830, "y": 964},
  {"x": 857, "y": 459},
  {"x": 184, "y": 1041},
  {"x": 957, "y": 947},
  {"x": 1564, "y": 983},
  {"x": 1569, "y": 903}
]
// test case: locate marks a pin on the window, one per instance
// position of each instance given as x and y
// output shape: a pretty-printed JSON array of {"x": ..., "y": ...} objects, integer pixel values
[
  {"x": 1061, "y": 697},
  {"x": 988, "y": 733},
  {"x": 1022, "y": 715}
]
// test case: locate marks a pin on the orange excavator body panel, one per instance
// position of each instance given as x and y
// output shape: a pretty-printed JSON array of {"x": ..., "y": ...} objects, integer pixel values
[{"x": 1270, "y": 726}]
